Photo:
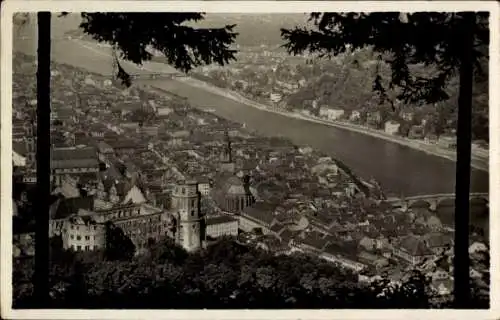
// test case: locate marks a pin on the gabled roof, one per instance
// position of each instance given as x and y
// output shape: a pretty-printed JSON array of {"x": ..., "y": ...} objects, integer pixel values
[
  {"x": 414, "y": 246},
  {"x": 74, "y": 153},
  {"x": 67, "y": 190},
  {"x": 219, "y": 220},
  {"x": 64, "y": 158},
  {"x": 437, "y": 239},
  {"x": 315, "y": 240},
  {"x": 347, "y": 249},
  {"x": 261, "y": 212},
  {"x": 19, "y": 148},
  {"x": 277, "y": 227}
]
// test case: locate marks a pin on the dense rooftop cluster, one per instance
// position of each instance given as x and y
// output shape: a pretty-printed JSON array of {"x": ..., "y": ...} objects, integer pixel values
[{"x": 119, "y": 154}]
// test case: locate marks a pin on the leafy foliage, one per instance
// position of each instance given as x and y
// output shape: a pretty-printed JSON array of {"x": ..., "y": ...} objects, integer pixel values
[
  {"x": 225, "y": 275},
  {"x": 446, "y": 42},
  {"x": 119, "y": 246},
  {"x": 401, "y": 40},
  {"x": 135, "y": 35}
]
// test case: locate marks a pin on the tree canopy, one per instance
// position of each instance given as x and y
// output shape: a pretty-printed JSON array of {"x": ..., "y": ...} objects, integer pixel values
[
  {"x": 449, "y": 43},
  {"x": 136, "y": 36},
  {"x": 404, "y": 41},
  {"x": 225, "y": 275}
]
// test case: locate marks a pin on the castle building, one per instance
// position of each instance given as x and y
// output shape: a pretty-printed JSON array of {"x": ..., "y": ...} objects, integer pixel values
[
  {"x": 141, "y": 223},
  {"x": 83, "y": 234},
  {"x": 73, "y": 162},
  {"x": 186, "y": 211}
]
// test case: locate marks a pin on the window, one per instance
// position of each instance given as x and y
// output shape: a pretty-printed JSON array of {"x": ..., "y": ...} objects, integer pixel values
[
  {"x": 72, "y": 237},
  {"x": 192, "y": 213},
  {"x": 72, "y": 227},
  {"x": 78, "y": 238},
  {"x": 79, "y": 248},
  {"x": 87, "y": 248},
  {"x": 87, "y": 237}
]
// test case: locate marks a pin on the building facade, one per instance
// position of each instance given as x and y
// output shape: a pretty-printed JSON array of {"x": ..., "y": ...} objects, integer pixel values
[
  {"x": 413, "y": 250},
  {"x": 73, "y": 161},
  {"x": 330, "y": 113},
  {"x": 391, "y": 127},
  {"x": 220, "y": 226},
  {"x": 275, "y": 97},
  {"x": 447, "y": 141},
  {"x": 83, "y": 234},
  {"x": 142, "y": 223}
]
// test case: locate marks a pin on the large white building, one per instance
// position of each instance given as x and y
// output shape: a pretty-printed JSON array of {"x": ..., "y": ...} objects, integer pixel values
[
  {"x": 74, "y": 160},
  {"x": 330, "y": 113},
  {"x": 355, "y": 115},
  {"x": 391, "y": 127},
  {"x": 447, "y": 141},
  {"x": 275, "y": 97},
  {"x": 220, "y": 226}
]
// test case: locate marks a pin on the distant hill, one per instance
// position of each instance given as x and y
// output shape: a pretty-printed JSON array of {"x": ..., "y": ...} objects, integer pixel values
[
  {"x": 257, "y": 29},
  {"x": 253, "y": 29}
]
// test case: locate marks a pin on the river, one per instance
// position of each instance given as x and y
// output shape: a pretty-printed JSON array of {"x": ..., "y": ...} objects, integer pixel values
[{"x": 399, "y": 169}]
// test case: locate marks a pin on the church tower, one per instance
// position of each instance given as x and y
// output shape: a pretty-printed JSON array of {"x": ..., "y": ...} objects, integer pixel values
[
  {"x": 227, "y": 164},
  {"x": 186, "y": 206}
]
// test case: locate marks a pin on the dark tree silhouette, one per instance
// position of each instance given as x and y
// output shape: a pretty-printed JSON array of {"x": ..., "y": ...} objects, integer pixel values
[
  {"x": 130, "y": 34},
  {"x": 445, "y": 42},
  {"x": 225, "y": 275},
  {"x": 172, "y": 34},
  {"x": 43, "y": 159},
  {"x": 118, "y": 244}
]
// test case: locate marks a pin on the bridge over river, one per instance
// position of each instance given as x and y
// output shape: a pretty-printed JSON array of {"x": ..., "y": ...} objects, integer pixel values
[{"x": 435, "y": 200}]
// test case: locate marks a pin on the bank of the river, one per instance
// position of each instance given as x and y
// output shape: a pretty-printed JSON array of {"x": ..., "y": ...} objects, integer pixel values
[
  {"x": 399, "y": 169},
  {"x": 478, "y": 162}
]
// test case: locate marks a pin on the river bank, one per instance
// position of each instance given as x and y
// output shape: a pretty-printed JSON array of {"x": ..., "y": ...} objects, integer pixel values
[
  {"x": 480, "y": 163},
  {"x": 399, "y": 169}
]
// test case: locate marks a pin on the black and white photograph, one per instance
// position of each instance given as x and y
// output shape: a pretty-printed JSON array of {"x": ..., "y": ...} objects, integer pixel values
[{"x": 215, "y": 155}]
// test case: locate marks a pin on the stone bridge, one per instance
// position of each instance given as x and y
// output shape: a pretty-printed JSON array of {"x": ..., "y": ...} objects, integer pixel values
[{"x": 434, "y": 200}]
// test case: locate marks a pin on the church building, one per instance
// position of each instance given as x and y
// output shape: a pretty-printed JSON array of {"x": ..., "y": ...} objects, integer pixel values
[{"x": 232, "y": 193}]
